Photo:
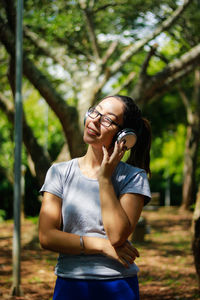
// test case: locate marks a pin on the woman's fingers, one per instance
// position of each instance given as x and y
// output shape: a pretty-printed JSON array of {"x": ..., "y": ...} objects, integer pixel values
[
  {"x": 105, "y": 154},
  {"x": 130, "y": 254},
  {"x": 126, "y": 260},
  {"x": 118, "y": 152},
  {"x": 110, "y": 162},
  {"x": 132, "y": 249},
  {"x": 123, "y": 262},
  {"x": 127, "y": 253}
]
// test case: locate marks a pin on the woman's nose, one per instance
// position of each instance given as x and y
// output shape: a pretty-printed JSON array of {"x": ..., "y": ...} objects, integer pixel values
[{"x": 97, "y": 119}]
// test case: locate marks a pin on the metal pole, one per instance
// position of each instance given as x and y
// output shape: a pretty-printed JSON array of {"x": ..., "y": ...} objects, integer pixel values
[{"x": 16, "y": 290}]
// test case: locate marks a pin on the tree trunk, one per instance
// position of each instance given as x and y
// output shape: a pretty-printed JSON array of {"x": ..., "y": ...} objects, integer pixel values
[
  {"x": 191, "y": 150},
  {"x": 192, "y": 105},
  {"x": 196, "y": 236}
]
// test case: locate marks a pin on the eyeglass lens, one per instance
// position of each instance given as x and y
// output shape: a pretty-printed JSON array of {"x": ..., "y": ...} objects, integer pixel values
[{"x": 104, "y": 120}]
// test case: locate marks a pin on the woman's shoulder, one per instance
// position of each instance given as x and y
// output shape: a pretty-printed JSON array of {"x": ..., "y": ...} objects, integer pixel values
[
  {"x": 62, "y": 167},
  {"x": 129, "y": 169}
]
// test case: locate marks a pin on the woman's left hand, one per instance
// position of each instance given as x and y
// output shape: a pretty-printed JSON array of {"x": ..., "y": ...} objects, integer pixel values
[{"x": 110, "y": 162}]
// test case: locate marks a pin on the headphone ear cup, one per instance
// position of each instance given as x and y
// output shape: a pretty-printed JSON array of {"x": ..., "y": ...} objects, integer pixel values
[{"x": 127, "y": 135}]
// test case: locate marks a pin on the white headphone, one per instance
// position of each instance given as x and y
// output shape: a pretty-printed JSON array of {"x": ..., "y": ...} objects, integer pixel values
[{"x": 127, "y": 135}]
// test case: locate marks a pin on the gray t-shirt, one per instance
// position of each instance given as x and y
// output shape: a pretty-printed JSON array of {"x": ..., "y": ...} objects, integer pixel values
[{"x": 81, "y": 215}]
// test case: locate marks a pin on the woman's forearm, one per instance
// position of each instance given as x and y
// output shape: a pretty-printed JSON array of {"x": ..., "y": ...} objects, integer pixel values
[
  {"x": 115, "y": 220},
  {"x": 69, "y": 243}
]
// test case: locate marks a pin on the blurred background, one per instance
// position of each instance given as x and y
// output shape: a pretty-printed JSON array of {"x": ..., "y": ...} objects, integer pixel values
[{"x": 75, "y": 53}]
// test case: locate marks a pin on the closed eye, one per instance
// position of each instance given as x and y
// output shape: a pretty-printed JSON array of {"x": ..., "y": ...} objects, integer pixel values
[{"x": 107, "y": 119}]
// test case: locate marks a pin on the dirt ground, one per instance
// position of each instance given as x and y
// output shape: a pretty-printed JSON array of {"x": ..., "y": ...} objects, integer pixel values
[{"x": 166, "y": 262}]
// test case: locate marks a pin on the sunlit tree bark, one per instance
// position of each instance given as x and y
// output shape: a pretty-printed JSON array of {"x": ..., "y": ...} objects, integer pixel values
[
  {"x": 192, "y": 107},
  {"x": 196, "y": 236}
]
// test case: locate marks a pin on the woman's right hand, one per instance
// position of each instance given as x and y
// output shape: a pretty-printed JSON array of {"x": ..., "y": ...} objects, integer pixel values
[{"x": 125, "y": 254}]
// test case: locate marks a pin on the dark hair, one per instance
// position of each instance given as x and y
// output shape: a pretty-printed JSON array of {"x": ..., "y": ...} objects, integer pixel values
[{"x": 140, "y": 153}]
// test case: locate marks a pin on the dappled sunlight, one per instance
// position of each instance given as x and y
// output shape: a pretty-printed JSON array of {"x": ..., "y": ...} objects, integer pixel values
[{"x": 166, "y": 262}]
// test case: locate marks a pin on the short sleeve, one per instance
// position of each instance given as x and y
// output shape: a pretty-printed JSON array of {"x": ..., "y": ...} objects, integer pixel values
[
  {"x": 137, "y": 183},
  {"x": 128, "y": 179},
  {"x": 53, "y": 182}
]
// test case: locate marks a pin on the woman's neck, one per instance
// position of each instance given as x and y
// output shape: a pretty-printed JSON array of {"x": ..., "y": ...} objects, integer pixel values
[{"x": 91, "y": 161}]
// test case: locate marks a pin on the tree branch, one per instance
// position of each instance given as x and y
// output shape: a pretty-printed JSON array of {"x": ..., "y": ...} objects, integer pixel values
[
  {"x": 109, "y": 51},
  {"x": 140, "y": 44},
  {"x": 187, "y": 104},
  {"x": 7, "y": 174},
  {"x": 90, "y": 27},
  {"x": 161, "y": 57},
  {"x": 143, "y": 76},
  {"x": 128, "y": 80},
  {"x": 10, "y": 13},
  {"x": 168, "y": 76},
  {"x": 171, "y": 81},
  {"x": 183, "y": 97},
  {"x": 64, "y": 154},
  {"x": 11, "y": 74},
  {"x": 145, "y": 65},
  {"x": 57, "y": 54},
  {"x": 196, "y": 96},
  {"x": 103, "y": 7}
]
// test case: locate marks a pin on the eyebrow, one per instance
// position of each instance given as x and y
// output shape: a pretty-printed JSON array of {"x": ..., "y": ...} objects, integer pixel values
[{"x": 109, "y": 113}]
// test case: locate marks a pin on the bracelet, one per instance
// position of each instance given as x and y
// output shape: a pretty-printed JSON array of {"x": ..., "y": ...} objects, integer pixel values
[{"x": 82, "y": 245}]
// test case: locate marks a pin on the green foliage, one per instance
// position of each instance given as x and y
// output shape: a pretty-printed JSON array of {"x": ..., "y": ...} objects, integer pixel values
[
  {"x": 3, "y": 70},
  {"x": 168, "y": 154},
  {"x": 166, "y": 114},
  {"x": 2, "y": 215},
  {"x": 34, "y": 219},
  {"x": 169, "y": 50},
  {"x": 46, "y": 127},
  {"x": 6, "y": 143},
  {"x": 167, "y": 157}
]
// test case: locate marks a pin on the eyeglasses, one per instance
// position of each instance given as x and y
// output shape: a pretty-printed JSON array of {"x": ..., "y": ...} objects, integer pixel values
[{"x": 104, "y": 120}]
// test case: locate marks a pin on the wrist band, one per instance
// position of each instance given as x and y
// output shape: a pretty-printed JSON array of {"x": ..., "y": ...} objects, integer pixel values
[{"x": 82, "y": 244}]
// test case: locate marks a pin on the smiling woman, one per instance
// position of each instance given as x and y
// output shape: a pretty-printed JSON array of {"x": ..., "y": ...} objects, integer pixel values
[{"x": 91, "y": 205}]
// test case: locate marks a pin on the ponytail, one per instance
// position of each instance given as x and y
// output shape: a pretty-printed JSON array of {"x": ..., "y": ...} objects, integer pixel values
[{"x": 140, "y": 153}]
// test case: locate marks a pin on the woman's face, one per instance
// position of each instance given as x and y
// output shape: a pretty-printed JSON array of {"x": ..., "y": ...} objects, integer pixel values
[{"x": 95, "y": 133}]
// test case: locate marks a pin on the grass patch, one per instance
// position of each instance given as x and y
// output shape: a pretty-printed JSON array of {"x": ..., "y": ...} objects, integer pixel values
[
  {"x": 35, "y": 279},
  {"x": 34, "y": 220},
  {"x": 172, "y": 282},
  {"x": 147, "y": 280}
]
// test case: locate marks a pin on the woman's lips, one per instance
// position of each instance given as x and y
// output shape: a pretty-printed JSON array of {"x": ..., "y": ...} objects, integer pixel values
[{"x": 92, "y": 131}]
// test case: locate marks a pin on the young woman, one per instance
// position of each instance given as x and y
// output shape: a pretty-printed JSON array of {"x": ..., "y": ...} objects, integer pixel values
[{"x": 92, "y": 204}]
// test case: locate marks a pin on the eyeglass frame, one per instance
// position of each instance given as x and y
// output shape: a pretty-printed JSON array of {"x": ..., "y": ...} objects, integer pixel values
[{"x": 101, "y": 115}]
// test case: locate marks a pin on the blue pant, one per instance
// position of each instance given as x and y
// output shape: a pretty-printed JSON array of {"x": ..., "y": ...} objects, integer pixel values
[{"x": 75, "y": 289}]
